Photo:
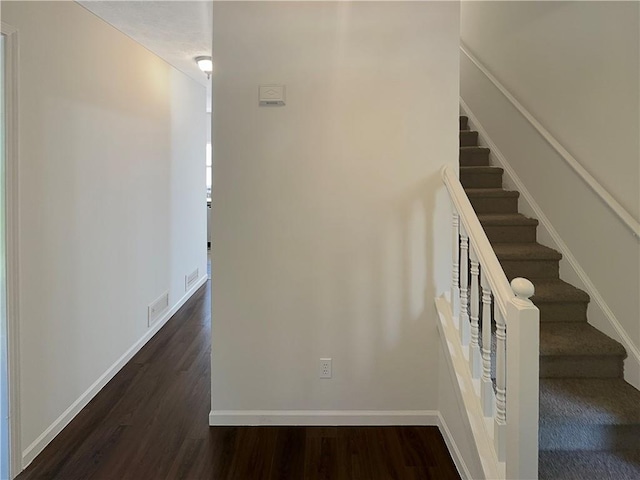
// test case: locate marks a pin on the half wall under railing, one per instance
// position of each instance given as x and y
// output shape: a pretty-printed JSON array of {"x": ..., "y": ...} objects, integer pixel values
[{"x": 491, "y": 332}]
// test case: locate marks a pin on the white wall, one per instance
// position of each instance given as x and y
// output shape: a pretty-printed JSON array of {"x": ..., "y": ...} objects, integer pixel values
[
  {"x": 330, "y": 230},
  {"x": 575, "y": 66},
  {"x": 112, "y": 210}
]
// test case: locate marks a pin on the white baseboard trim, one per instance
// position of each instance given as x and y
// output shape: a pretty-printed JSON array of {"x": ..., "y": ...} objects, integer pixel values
[
  {"x": 457, "y": 457},
  {"x": 33, "y": 450},
  {"x": 632, "y": 362},
  {"x": 323, "y": 417},
  {"x": 342, "y": 418}
]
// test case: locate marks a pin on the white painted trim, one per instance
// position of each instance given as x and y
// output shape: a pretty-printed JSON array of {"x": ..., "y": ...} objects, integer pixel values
[
  {"x": 12, "y": 83},
  {"x": 63, "y": 420},
  {"x": 343, "y": 418},
  {"x": 632, "y": 363},
  {"x": 478, "y": 241},
  {"x": 323, "y": 417},
  {"x": 8, "y": 29},
  {"x": 599, "y": 190},
  {"x": 458, "y": 364},
  {"x": 456, "y": 455}
]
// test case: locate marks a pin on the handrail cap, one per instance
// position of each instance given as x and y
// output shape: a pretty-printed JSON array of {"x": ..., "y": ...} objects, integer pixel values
[{"x": 523, "y": 288}]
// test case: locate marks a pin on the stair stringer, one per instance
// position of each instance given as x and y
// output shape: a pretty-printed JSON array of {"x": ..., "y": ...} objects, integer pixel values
[{"x": 599, "y": 314}]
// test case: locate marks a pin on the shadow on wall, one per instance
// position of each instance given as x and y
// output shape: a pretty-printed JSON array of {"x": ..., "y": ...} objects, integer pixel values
[{"x": 388, "y": 291}]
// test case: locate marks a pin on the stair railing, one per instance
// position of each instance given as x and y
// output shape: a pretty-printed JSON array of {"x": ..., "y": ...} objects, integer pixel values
[{"x": 481, "y": 296}]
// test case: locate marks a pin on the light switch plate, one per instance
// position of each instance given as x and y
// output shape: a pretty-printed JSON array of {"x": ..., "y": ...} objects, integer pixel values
[{"x": 271, "y": 95}]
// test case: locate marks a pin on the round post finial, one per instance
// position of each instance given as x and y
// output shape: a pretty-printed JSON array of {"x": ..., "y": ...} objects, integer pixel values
[{"x": 523, "y": 289}]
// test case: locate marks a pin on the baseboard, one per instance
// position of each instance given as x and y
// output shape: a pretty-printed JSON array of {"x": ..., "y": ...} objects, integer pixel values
[
  {"x": 323, "y": 417},
  {"x": 343, "y": 418},
  {"x": 456, "y": 455},
  {"x": 632, "y": 362},
  {"x": 33, "y": 450}
]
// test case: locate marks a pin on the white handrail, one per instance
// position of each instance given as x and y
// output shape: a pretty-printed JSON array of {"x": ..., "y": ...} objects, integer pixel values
[
  {"x": 510, "y": 410},
  {"x": 478, "y": 239},
  {"x": 598, "y": 189}
]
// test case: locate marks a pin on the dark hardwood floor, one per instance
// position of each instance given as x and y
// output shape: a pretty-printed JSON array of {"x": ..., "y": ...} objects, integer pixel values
[{"x": 151, "y": 422}]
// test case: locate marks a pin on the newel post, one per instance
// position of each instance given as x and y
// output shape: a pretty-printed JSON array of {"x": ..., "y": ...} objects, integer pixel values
[{"x": 523, "y": 357}]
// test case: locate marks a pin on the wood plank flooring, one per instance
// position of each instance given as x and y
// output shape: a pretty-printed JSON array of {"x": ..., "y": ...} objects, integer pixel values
[{"x": 151, "y": 422}]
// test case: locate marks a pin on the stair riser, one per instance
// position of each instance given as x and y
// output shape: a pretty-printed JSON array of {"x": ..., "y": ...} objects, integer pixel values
[
  {"x": 474, "y": 159},
  {"x": 468, "y": 139},
  {"x": 530, "y": 268},
  {"x": 600, "y": 366},
  {"x": 495, "y": 205},
  {"x": 464, "y": 123},
  {"x": 510, "y": 233},
  {"x": 481, "y": 180},
  {"x": 575, "y": 436},
  {"x": 562, "y": 312}
]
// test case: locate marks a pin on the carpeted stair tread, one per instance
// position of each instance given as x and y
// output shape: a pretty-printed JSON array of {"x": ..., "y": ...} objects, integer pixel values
[
  {"x": 556, "y": 291},
  {"x": 493, "y": 200},
  {"x": 508, "y": 227},
  {"x": 481, "y": 169},
  {"x": 464, "y": 122},
  {"x": 481, "y": 176},
  {"x": 576, "y": 339},
  {"x": 474, "y": 156},
  {"x": 589, "y": 465},
  {"x": 490, "y": 192},
  {"x": 468, "y": 138},
  {"x": 588, "y": 414},
  {"x": 475, "y": 149},
  {"x": 596, "y": 401},
  {"x": 505, "y": 219},
  {"x": 525, "y": 251}
]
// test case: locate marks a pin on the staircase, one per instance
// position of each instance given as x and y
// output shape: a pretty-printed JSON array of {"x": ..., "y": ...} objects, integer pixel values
[{"x": 589, "y": 424}]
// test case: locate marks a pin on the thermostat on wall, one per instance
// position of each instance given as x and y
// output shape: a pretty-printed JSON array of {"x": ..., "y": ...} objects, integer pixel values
[{"x": 271, "y": 95}]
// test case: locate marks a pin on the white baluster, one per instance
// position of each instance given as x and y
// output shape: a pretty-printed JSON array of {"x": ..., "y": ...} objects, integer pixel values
[
  {"x": 474, "y": 354},
  {"x": 455, "y": 280},
  {"x": 500, "y": 427},
  {"x": 523, "y": 356},
  {"x": 464, "y": 287},
  {"x": 487, "y": 395}
]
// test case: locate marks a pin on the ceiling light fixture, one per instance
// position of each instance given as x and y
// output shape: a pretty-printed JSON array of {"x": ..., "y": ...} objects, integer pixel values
[{"x": 206, "y": 64}]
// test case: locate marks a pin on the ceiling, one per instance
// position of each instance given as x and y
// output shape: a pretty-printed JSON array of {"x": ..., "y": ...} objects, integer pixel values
[{"x": 176, "y": 31}]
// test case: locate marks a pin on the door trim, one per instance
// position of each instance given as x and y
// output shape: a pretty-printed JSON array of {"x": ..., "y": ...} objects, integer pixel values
[{"x": 12, "y": 243}]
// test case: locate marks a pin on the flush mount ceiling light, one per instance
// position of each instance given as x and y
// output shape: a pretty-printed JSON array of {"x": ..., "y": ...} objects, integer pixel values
[{"x": 206, "y": 64}]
